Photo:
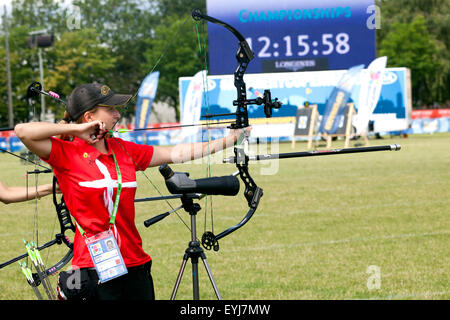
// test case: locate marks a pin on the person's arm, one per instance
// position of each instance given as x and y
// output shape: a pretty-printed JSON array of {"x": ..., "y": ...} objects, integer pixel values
[
  {"x": 36, "y": 135},
  {"x": 19, "y": 194},
  {"x": 191, "y": 151}
]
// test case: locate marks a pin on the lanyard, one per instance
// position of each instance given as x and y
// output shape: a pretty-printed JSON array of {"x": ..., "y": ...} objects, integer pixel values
[
  {"x": 112, "y": 220},
  {"x": 119, "y": 190}
]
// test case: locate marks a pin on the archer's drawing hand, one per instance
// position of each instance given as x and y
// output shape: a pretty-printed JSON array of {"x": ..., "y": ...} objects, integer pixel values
[{"x": 92, "y": 132}]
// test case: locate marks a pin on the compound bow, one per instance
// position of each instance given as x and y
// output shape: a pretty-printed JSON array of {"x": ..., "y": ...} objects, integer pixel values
[{"x": 252, "y": 192}]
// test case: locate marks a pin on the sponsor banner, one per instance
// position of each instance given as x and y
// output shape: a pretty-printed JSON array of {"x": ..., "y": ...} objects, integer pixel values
[
  {"x": 4, "y": 143},
  {"x": 430, "y": 121},
  {"x": 191, "y": 106},
  {"x": 293, "y": 89},
  {"x": 429, "y": 125},
  {"x": 337, "y": 101},
  {"x": 371, "y": 82},
  {"x": 146, "y": 95},
  {"x": 431, "y": 113},
  {"x": 15, "y": 144}
]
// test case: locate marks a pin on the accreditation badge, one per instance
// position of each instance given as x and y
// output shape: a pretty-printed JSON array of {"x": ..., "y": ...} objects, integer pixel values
[{"x": 106, "y": 256}]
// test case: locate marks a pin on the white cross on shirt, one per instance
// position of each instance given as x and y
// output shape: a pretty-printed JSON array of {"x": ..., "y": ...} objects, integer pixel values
[{"x": 109, "y": 184}]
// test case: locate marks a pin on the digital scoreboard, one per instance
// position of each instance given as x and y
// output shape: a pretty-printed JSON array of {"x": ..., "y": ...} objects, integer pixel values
[{"x": 293, "y": 35}]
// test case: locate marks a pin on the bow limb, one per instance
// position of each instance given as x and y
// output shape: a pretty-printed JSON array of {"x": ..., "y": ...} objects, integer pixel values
[
  {"x": 210, "y": 240},
  {"x": 244, "y": 55},
  {"x": 226, "y": 232},
  {"x": 198, "y": 15}
]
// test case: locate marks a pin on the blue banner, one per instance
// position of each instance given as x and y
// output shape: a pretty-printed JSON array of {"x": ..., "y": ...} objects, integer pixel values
[
  {"x": 146, "y": 95},
  {"x": 337, "y": 101},
  {"x": 4, "y": 143},
  {"x": 15, "y": 144},
  {"x": 293, "y": 35}
]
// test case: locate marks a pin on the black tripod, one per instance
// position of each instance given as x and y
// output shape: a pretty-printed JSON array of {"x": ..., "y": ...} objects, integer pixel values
[
  {"x": 193, "y": 252},
  {"x": 181, "y": 186}
]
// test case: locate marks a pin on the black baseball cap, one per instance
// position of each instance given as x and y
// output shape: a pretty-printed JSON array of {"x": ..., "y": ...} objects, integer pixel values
[{"x": 86, "y": 96}]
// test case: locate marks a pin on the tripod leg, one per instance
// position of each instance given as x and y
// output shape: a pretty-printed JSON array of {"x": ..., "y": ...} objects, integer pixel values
[
  {"x": 195, "y": 288},
  {"x": 211, "y": 278},
  {"x": 180, "y": 275}
]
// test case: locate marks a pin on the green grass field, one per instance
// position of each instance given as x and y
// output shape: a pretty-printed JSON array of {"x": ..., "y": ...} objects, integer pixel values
[{"x": 321, "y": 226}]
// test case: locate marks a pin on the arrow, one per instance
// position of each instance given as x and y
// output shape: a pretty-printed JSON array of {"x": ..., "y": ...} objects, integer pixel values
[
  {"x": 42, "y": 278},
  {"x": 29, "y": 275},
  {"x": 170, "y": 127},
  {"x": 41, "y": 263}
]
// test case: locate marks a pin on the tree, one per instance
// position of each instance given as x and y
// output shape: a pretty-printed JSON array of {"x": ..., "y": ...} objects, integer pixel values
[
  {"x": 124, "y": 26},
  {"x": 38, "y": 14},
  {"x": 175, "y": 53},
  {"x": 179, "y": 7},
  {"x": 410, "y": 45},
  {"x": 27, "y": 16},
  {"x": 22, "y": 60},
  {"x": 79, "y": 57},
  {"x": 435, "y": 15}
]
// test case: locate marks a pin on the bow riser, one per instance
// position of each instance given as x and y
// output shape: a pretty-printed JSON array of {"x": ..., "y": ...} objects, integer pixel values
[{"x": 241, "y": 101}]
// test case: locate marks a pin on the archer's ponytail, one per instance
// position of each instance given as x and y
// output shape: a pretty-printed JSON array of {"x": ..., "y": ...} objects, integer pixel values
[{"x": 65, "y": 120}]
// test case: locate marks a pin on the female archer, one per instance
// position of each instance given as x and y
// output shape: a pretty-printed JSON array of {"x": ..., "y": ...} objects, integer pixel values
[{"x": 97, "y": 176}]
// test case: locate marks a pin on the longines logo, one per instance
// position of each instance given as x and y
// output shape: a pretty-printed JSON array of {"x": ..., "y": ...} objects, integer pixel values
[{"x": 295, "y": 65}]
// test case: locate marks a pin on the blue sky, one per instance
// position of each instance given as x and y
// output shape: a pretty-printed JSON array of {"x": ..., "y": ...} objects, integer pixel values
[
  {"x": 8, "y": 5},
  {"x": 3, "y": 3}
]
